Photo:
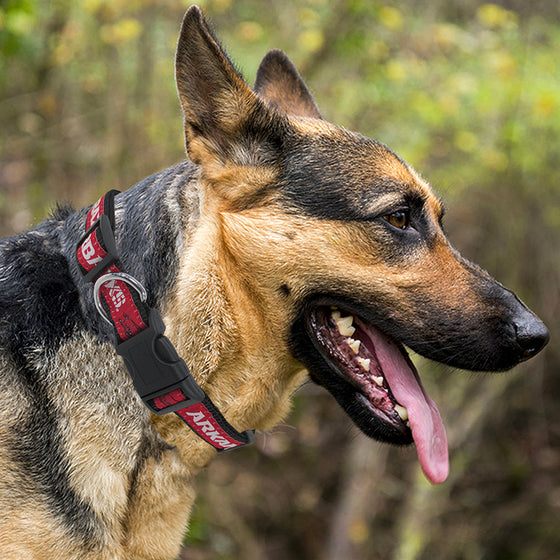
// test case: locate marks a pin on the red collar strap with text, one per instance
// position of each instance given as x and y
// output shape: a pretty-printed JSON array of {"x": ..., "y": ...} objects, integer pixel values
[{"x": 160, "y": 376}]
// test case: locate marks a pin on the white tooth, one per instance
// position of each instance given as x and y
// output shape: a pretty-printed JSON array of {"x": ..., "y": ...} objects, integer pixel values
[
  {"x": 378, "y": 380},
  {"x": 354, "y": 344},
  {"x": 402, "y": 412},
  {"x": 364, "y": 362},
  {"x": 335, "y": 314},
  {"x": 345, "y": 325}
]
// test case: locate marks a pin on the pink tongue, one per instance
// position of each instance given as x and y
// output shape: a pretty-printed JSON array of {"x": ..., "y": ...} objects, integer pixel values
[{"x": 425, "y": 421}]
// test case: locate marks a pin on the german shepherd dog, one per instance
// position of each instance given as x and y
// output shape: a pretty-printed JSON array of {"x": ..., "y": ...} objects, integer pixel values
[{"x": 283, "y": 247}]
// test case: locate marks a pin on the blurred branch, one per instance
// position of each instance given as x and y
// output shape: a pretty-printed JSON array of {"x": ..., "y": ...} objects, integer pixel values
[{"x": 356, "y": 505}]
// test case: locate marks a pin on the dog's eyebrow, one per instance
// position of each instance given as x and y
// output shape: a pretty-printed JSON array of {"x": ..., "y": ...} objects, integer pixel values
[{"x": 383, "y": 203}]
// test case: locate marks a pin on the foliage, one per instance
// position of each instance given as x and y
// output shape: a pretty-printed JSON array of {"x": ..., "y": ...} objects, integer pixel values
[{"x": 467, "y": 92}]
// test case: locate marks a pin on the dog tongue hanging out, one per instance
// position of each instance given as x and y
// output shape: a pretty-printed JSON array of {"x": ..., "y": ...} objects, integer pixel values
[
  {"x": 420, "y": 412},
  {"x": 385, "y": 382}
]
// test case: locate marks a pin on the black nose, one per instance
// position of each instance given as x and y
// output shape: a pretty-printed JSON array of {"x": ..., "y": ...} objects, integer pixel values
[{"x": 532, "y": 335}]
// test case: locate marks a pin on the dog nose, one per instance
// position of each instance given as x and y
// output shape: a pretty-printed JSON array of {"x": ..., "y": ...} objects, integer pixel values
[{"x": 532, "y": 335}]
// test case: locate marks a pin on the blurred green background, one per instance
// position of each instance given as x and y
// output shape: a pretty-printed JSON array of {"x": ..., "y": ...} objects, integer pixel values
[{"x": 467, "y": 92}]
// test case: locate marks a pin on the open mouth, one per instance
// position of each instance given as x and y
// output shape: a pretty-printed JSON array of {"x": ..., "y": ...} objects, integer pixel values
[{"x": 376, "y": 383}]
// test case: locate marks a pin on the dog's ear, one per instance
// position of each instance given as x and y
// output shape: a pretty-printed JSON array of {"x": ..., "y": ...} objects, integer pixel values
[
  {"x": 223, "y": 117},
  {"x": 279, "y": 82}
]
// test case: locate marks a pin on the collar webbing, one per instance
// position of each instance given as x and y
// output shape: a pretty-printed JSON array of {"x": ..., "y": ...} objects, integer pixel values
[{"x": 160, "y": 376}]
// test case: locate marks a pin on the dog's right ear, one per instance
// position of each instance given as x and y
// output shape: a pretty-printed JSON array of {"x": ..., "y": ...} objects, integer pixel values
[
  {"x": 279, "y": 82},
  {"x": 220, "y": 110}
]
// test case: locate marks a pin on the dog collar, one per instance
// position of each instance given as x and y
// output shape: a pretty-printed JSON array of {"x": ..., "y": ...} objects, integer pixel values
[{"x": 160, "y": 376}]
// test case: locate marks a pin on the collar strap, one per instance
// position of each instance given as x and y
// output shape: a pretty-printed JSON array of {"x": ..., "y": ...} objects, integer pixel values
[{"x": 160, "y": 376}]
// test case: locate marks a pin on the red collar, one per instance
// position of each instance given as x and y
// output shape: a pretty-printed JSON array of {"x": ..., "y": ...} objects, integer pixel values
[{"x": 160, "y": 376}]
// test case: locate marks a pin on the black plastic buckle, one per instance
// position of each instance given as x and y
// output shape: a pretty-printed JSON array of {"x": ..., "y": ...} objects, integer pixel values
[
  {"x": 108, "y": 243},
  {"x": 156, "y": 368}
]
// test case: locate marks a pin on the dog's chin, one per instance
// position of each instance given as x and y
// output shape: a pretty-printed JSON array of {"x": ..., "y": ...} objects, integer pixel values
[{"x": 374, "y": 381}]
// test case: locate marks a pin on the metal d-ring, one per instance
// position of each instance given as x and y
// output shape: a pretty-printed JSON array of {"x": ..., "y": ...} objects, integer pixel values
[{"x": 127, "y": 279}]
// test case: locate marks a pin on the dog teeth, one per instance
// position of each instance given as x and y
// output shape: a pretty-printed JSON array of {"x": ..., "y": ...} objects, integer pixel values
[
  {"x": 345, "y": 325},
  {"x": 354, "y": 344},
  {"x": 402, "y": 412},
  {"x": 364, "y": 362},
  {"x": 378, "y": 380}
]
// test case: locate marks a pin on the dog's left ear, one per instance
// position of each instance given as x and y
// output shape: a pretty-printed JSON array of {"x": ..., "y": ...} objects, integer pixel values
[{"x": 279, "y": 82}]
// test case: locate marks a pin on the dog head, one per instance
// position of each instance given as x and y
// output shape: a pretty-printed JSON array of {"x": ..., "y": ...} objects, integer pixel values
[{"x": 339, "y": 248}]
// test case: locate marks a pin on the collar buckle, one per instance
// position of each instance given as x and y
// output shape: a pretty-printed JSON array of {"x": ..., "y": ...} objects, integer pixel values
[{"x": 157, "y": 370}]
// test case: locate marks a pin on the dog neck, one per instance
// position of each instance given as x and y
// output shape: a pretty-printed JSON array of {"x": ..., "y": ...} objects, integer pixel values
[
  {"x": 221, "y": 324},
  {"x": 216, "y": 317}
]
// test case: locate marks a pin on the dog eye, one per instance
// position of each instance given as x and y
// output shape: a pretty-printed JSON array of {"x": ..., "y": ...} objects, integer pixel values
[{"x": 399, "y": 219}]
